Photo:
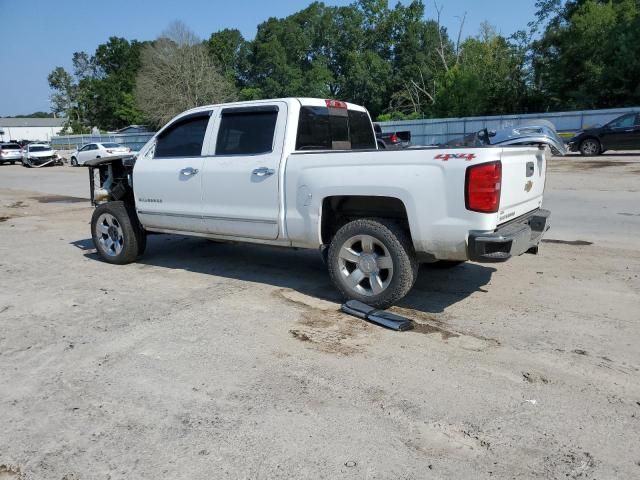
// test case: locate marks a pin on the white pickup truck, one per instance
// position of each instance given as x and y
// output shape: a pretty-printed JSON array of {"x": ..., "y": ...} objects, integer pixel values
[{"x": 306, "y": 173}]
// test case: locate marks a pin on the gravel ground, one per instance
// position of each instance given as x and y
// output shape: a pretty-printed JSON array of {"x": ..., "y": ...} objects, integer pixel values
[{"x": 209, "y": 360}]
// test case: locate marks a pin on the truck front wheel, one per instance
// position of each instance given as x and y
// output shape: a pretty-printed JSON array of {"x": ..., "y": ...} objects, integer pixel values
[
  {"x": 117, "y": 234},
  {"x": 372, "y": 260}
]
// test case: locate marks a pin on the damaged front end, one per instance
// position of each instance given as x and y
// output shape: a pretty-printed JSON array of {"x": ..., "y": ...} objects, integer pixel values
[
  {"x": 539, "y": 132},
  {"x": 111, "y": 179}
]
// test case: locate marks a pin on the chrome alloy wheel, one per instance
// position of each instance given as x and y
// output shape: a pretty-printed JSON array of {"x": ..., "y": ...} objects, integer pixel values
[
  {"x": 590, "y": 147},
  {"x": 366, "y": 265},
  {"x": 110, "y": 234}
]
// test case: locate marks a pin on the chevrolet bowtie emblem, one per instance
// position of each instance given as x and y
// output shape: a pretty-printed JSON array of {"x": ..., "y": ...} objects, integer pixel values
[{"x": 528, "y": 186}]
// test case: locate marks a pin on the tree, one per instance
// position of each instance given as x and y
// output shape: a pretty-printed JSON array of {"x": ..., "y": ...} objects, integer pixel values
[
  {"x": 176, "y": 74},
  {"x": 488, "y": 79},
  {"x": 588, "y": 55},
  {"x": 230, "y": 52},
  {"x": 99, "y": 93}
]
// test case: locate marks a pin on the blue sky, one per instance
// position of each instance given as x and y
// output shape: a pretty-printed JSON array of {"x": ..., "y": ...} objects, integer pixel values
[{"x": 38, "y": 35}]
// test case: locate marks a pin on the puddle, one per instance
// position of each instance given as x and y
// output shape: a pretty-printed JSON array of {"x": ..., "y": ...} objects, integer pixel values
[
  {"x": 575, "y": 243},
  {"x": 59, "y": 199}
]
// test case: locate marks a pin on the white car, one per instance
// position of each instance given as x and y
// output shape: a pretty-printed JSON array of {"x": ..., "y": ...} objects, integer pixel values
[
  {"x": 92, "y": 151},
  {"x": 39, "y": 155},
  {"x": 306, "y": 173},
  {"x": 10, "y": 152}
]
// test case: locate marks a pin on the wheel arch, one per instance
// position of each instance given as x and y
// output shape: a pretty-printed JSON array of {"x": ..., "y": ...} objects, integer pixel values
[{"x": 340, "y": 209}]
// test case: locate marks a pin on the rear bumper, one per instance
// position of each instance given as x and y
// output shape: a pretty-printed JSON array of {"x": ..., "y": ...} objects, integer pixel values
[{"x": 509, "y": 240}]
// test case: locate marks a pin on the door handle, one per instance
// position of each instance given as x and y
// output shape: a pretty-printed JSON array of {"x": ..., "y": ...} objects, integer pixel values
[
  {"x": 187, "y": 172},
  {"x": 263, "y": 172}
]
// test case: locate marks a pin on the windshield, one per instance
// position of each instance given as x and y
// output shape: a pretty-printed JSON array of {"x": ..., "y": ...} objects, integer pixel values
[
  {"x": 111, "y": 145},
  {"x": 39, "y": 148}
]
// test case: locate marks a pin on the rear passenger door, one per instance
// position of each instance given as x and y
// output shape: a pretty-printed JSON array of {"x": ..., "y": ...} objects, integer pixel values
[
  {"x": 241, "y": 174},
  {"x": 168, "y": 179}
]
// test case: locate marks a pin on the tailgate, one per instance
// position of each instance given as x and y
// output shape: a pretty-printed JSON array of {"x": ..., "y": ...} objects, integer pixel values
[{"x": 523, "y": 179}]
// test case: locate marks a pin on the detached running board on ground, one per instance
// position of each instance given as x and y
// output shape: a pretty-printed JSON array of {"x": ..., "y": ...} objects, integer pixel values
[{"x": 379, "y": 317}]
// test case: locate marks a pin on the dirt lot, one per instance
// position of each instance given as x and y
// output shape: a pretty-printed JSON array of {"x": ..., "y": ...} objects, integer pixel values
[{"x": 208, "y": 361}]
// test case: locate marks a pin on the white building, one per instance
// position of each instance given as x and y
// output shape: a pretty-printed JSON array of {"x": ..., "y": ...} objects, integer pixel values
[{"x": 30, "y": 128}]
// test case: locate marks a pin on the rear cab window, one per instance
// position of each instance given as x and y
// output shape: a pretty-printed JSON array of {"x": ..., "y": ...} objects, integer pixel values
[{"x": 334, "y": 127}]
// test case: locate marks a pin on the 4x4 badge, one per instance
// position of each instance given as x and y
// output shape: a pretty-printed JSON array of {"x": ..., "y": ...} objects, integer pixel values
[{"x": 446, "y": 156}]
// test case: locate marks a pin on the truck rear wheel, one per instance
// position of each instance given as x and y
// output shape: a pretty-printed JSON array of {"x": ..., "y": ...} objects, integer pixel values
[
  {"x": 372, "y": 260},
  {"x": 117, "y": 234}
]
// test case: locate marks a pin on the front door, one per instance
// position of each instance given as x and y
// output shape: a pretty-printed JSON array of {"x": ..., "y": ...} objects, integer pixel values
[
  {"x": 619, "y": 135},
  {"x": 168, "y": 179},
  {"x": 241, "y": 177},
  {"x": 86, "y": 153}
]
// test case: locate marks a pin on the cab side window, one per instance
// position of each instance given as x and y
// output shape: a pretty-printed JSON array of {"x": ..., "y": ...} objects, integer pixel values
[
  {"x": 247, "y": 131},
  {"x": 184, "y": 138},
  {"x": 625, "y": 122}
]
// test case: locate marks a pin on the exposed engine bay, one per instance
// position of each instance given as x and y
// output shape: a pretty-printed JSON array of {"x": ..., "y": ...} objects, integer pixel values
[{"x": 111, "y": 179}]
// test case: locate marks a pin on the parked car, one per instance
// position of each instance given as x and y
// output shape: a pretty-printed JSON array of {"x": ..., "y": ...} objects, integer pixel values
[
  {"x": 306, "y": 173},
  {"x": 10, "y": 152},
  {"x": 39, "y": 155},
  {"x": 392, "y": 140},
  {"x": 623, "y": 133},
  {"x": 92, "y": 151}
]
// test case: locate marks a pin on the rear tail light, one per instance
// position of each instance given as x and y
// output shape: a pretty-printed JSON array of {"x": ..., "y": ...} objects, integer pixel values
[
  {"x": 393, "y": 138},
  {"x": 482, "y": 187}
]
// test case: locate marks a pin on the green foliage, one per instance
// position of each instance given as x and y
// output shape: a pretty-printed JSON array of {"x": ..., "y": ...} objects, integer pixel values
[
  {"x": 578, "y": 54},
  {"x": 100, "y": 91},
  {"x": 589, "y": 55}
]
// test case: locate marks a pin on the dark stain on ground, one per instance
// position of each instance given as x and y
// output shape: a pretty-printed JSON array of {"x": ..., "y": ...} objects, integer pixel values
[
  {"x": 297, "y": 334},
  {"x": 575, "y": 243},
  {"x": 59, "y": 199},
  {"x": 4, "y": 219},
  {"x": 427, "y": 329},
  {"x": 592, "y": 164},
  {"x": 579, "y": 351},
  {"x": 626, "y": 214}
]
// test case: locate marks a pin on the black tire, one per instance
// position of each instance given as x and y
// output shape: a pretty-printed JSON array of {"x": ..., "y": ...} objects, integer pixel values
[
  {"x": 73, "y": 162},
  {"x": 120, "y": 239},
  {"x": 388, "y": 235},
  {"x": 590, "y": 147}
]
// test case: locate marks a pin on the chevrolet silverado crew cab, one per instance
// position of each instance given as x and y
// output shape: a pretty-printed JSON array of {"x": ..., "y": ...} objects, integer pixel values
[{"x": 306, "y": 173}]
